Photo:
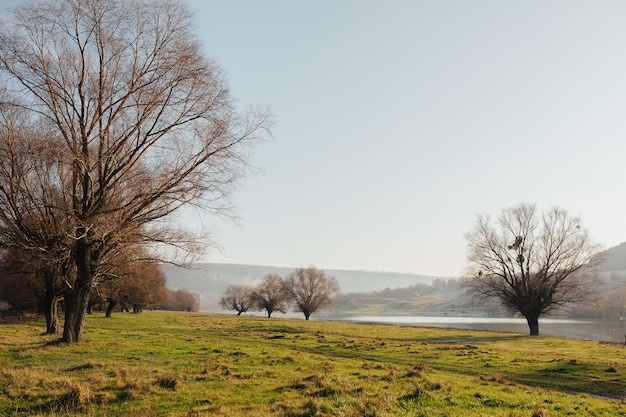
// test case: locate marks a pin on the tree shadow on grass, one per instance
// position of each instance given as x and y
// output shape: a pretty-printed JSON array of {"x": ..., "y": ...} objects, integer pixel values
[{"x": 575, "y": 377}]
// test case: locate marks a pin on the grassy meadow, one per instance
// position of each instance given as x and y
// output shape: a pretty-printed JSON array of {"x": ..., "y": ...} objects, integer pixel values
[{"x": 192, "y": 364}]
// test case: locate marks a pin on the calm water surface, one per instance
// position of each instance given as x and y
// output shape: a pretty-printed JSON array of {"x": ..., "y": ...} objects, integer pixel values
[{"x": 609, "y": 331}]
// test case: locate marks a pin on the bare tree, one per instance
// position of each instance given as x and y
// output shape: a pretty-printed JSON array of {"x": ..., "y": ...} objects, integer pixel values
[
  {"x": 311, "y": 290},
  {"x": 33, "y": 226},
  {"x": 271, "y": 295},
  {"x": 145, "y": 122},
  {"x": 179, "y": 300},
  {"x": 238, "y": 298},
  {"x": 31, "y": 283},
  {"x": 20, "y": 287},
  {"x": 532, "y": 264},
  {"x": 185, "y": 300},
  {"x": 136, "y": 283}
]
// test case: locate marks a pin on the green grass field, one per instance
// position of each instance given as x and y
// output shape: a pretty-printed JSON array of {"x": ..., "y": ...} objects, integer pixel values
[{"x": 191, "y": 364}]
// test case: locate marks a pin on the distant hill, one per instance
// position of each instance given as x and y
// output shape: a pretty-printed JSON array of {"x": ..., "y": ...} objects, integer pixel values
[
  {"x": 210, "y": 280},
  {"x": 614, "y": 259}
]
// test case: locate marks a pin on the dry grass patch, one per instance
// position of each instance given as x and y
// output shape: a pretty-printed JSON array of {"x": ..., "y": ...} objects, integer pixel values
[
  {"x": 76, "y": 397},
  {"x": 168, "y": 382}
]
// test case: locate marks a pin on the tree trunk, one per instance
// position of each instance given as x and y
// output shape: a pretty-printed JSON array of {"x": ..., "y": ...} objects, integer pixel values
[
  {"x": 533, "y": 324},
  {"x": 75, "y": 312},
  {"x": 77, "y": 297},
  {"x": 307, "y": 315},
  {"x": 269, "y": 313},
  {"x": 110, "y": 307},
  {"x": 49, "y": 304},
  {"x": 50, "y": 311}
]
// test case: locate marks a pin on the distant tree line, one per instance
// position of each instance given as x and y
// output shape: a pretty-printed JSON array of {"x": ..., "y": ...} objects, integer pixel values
[
  {"x": 305, "y": 290},
  {"x": 142, "y": 286},
  {"x": 611, "y": 305},
  {"x": 418, "y": 289}
]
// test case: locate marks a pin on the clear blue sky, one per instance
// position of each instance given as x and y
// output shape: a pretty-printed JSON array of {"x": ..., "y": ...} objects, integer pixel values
[{"x": 398, "y": 121}]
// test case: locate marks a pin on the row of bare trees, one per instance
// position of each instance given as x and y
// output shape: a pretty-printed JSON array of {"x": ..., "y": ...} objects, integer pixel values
[
  {"x": 111, "y": 119},
  {"x": 306, "y": 290},
  {"x": 143, "y": 287}
]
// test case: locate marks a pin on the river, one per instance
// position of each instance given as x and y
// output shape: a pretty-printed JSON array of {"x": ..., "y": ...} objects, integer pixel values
[{"x": 604, "y": 331}]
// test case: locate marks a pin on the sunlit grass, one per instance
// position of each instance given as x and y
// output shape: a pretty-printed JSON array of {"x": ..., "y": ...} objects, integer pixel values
[{"x": 174, "y": 364}]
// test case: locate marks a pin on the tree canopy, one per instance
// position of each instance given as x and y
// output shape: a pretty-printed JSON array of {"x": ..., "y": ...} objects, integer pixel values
[
  {"x": 311, "y": 290},
  {"x": 136, "y": 122},
  {"x": 532, "y": 263},
  {"x": 271, "y": 295}
]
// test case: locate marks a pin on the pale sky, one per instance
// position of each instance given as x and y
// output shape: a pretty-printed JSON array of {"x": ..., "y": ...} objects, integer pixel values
[{"x": 397, "y": 122}]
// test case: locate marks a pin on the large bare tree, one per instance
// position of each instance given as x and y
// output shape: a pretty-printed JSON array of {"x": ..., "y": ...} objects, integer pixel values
[
  {"x": 532, "y": 263},
  {"x": 311, "y": 290},
  {"x": 144, "y": 118}
]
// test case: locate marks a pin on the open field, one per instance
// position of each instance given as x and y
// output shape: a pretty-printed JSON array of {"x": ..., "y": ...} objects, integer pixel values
[{"x": 188, "y": 364}]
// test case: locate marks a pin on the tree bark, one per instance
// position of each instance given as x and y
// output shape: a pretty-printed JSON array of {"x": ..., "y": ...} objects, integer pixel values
[
  {"x": 77, "y": 297},
  {"x": 75, "y": 312},
  {"x": 48, "y": 305},
  {"x": 533, "y": 324},
  {"x": 110, "y": 307},
  {"x": 50, "y": 311}
]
